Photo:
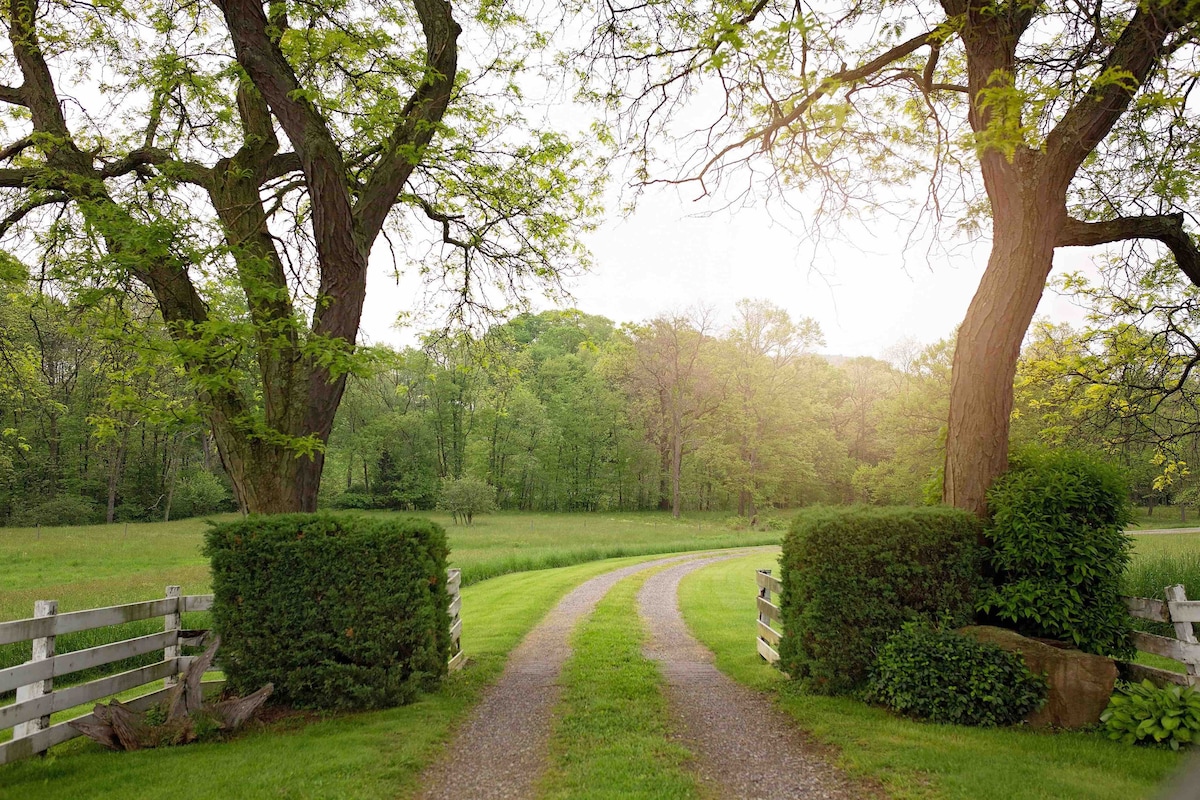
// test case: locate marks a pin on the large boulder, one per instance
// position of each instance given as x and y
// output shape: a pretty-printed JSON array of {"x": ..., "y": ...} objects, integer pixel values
[{"x": 1080, "y": 683}]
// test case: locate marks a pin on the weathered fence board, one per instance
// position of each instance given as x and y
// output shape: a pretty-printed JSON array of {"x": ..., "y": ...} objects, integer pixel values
[
  {"x": 768, "y": 634},
  {"x": 767, "y": 638},
  {"x": 1146, "y": 608},
  {"x": 63, "y": 732},
  {"x": 78, "y": 660},
  {"x": 453, "y": 586},
  {"x": 768, "y": 610},
  {"x": 768, "y": 581},
  {"x": 23, "y": 630},
  {"x": 1139, "y": 672},
  {"x": 64, "y": 699},
  {"x": 1180, "y": 612},
  {"x": 197, "y": 602}
]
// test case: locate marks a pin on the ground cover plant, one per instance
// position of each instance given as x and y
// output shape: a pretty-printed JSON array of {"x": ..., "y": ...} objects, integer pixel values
[
  {"x": 365, "y": 755},
  {"x": 913, "y": 759},
  {"x": 943, "y": 676},
  {"x": 1142, "y": 713},
  {"x": 611, "y": 739}
]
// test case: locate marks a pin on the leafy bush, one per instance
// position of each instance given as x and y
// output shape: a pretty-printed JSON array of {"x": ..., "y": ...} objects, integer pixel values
[
  {"x": 64, "y": 509},
  {"x": 1142, "y": 713},
  {"x": 199, "y": 492},
  {"x": 466, "y": 497},
  {"x": 338, "y": 611},
  {"x": 350, "y": 500},
  {"x": 852, "y": 577},
  {"x": 1058, "y": 549},
  {"x": 943, "y": 676}
]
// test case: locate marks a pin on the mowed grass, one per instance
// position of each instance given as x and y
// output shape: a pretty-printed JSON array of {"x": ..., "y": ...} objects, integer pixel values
[
  {"x": 365, "y": 755},
  {"x": 100, "y": 565},
  {"x": 914, "y": 759},
  {"x": 611, "y": 735},
  {"x": 1164, "y": 517},
  {"x": 95, "y": 565}
]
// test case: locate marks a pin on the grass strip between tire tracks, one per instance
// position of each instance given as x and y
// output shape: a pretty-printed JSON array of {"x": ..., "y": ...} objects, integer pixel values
[
  {"x": 611, "y": 734},
  {"x": 916, "y": 759}
]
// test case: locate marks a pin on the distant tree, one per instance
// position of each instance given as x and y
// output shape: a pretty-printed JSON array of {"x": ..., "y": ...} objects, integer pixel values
[
  {"x": 466, "y": 497},
  {"x": 672, "y": 376}
]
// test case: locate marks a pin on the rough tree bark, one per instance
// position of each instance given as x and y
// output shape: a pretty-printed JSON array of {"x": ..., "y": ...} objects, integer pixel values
[{"x": 1028, "y": 188}]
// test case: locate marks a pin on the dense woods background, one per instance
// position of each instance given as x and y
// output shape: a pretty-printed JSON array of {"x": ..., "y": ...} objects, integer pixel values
[{"x": 559, "y": 411}]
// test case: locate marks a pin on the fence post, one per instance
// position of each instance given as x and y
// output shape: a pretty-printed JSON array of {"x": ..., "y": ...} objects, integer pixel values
[
  {"x": 1183, "y": 630},
  {"x": 173, "y": 621},
  {"x": 43, "y": 648}
]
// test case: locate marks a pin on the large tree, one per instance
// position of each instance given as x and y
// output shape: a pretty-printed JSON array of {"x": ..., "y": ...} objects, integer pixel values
[
  {"x": 239, "y": 161},
  {"x": 1077, "y": 118}
]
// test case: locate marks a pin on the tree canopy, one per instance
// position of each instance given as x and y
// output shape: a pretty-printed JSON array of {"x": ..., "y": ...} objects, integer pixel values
[
  {"x": 238, "y": 163},
  {"x": 1049, "y": 125}
]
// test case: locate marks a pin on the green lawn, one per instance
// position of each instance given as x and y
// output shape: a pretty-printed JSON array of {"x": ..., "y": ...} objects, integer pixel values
[
  {"x": 914, "y": 759},
  {"x": 367, "y": 755},
  {"x": 1166, "y": 544},
  {"x": 97, "y": 565},
  {"x": 1165, "y": 517}
]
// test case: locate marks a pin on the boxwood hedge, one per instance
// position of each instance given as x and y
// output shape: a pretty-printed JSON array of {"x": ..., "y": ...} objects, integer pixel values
[
  {"x": 337, "y": 610},
  {"x": 853, "y": 576}
]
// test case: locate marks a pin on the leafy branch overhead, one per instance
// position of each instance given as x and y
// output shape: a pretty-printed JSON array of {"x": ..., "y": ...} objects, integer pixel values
[
  {"x": 239, "y": 163},
  {"x": 1056, "y": 124}
]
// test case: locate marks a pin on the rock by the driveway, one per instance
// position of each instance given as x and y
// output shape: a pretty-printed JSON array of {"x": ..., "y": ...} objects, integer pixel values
[{"x": 1080, "y": 683}]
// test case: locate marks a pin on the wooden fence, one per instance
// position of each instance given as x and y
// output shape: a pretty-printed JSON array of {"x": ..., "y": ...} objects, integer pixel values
[
  {"x": 453, "y": 587},
  {"x": 1180, "y": 612},
  {"x": 1176, "y": 610},
  {"x": 36, "y": 700},
  {"x": 768, "y": 612}
]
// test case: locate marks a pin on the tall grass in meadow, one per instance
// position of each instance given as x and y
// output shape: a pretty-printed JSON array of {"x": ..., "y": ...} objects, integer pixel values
[{"x": 1148, "y": 575}]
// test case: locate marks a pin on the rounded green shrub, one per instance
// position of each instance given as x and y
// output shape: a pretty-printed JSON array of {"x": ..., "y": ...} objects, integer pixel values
[
  {"x": 338, "y": 611},
  {"x": 1058, "y": 549},
  {"x": 943, "y": 676},
  {"x": 853, "y": 576},
  {"x": 1142, "y": 713},
  {"x": 65, "y": 509}
]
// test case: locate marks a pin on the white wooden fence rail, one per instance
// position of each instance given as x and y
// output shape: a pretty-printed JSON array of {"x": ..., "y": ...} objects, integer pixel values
[
  {"x": 1176, "y": 609},
  {"x": 36, "y": 698},
  {"x": 768, "y": 612}
]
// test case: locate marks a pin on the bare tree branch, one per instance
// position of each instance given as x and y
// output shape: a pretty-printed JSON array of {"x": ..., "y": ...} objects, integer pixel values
[{"x": 1166, "y": 228}]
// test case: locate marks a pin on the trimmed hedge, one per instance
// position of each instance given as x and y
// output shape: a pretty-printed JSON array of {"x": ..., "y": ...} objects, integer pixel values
[
  {"x": 853, "y": 576},
  {"x": 1058, "y": 550},
  {"x": 943, "y": 676},
  {"x": 338, "y": 611}
]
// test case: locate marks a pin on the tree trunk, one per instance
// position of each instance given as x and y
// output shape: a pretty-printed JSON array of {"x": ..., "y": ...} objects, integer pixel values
[
  {"x": 989, "y": 345},
  {"x": 676, "y": 476}
]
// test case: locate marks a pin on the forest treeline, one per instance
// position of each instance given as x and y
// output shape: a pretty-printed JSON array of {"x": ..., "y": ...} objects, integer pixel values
[{"x": 559, "y": 411}]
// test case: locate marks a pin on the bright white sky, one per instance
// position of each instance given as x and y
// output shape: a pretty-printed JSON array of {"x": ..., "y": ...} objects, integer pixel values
[{"x": 866, "y": 296}]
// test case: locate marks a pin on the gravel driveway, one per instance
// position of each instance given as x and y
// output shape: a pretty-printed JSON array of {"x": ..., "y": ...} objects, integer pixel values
[
  {"x": 500, "y": 751},
  {"x": 744, "y": 747}
]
